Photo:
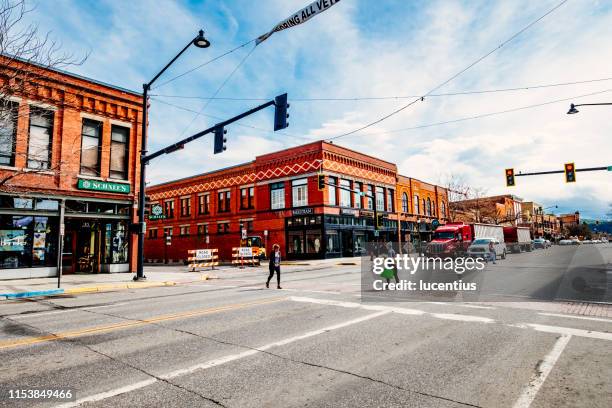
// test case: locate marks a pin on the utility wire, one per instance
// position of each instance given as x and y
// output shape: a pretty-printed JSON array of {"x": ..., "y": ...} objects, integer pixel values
[
  {"x": 377, "y": 98},
  {"x": 245, "y": 125},
  {"x": 236, "y": 68},
  {"x": 396, "y": 111},
  {"x": 204, "y": 64},
  {"x": 484, "y": 115}
]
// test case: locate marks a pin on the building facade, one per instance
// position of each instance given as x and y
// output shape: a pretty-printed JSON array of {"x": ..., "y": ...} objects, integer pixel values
[
  {"x": 276, "y": 199},
  {"x": 68, "y": 173},
  {"x": 501, "y": 210}
]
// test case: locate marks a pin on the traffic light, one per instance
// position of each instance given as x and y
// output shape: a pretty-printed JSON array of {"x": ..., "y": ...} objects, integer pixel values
[
  {"x": 280, "y": 112},
  {"x": 220, "y": 139},
  {"x": 379, "y": 221},
  {"x": 570, "y": 173},
  {"x": 321, "y": 181},
  {"x": 510, "y": 178},
  {"x": 147, "y": 205}
]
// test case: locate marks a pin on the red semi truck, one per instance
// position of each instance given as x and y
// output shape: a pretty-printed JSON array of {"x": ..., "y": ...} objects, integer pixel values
[
  {"x": 454, "y": 238},
  {"x": 518, "y": 239}
]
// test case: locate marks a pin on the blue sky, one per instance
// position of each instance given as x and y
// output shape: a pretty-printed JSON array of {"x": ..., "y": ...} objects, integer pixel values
[{"x": 366, "y": 48}]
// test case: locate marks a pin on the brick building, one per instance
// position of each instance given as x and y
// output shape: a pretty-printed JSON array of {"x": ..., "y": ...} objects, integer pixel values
[
  {"x": 276, "y": 199},
  {"x": 68, "y": 165},
  {"x": 500, "y": 209},
  {"x": 540, "y": 223}
]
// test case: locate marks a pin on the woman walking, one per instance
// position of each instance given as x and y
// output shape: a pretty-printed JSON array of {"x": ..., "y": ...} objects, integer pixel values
[{"x": 275, "y": 260}]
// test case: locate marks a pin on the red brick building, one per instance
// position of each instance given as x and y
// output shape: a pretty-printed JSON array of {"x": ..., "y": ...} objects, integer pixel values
[
  {"x": 68, "y": 168},
  {"x": 276, "y": 199}
]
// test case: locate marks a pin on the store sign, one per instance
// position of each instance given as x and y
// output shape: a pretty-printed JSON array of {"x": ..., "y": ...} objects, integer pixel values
[
  {"x": 366, "y": 213},
  {"x": 349, "y": 211},
  {"x": 203, "y": 254},
  {"x": 303, "y": 211},
  {"x": 157, "y": 212},
  {"x": 104, "y": 186}
]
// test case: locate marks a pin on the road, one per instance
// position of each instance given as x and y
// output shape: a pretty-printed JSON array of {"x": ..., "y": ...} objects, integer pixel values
[{"x": 232, "y": 343}]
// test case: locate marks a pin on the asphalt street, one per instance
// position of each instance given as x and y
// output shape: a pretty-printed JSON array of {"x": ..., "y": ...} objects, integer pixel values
[{"x": 232, "y": 343}]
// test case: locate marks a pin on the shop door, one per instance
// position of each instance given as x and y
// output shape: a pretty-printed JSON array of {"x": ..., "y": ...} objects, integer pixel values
[
  {"x": 69, "y": 259},
  {"x": 347, "y": 243}
]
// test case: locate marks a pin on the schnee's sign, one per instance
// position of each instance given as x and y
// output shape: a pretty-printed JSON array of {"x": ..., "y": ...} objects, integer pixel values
[{"x": 104, "y": 186}]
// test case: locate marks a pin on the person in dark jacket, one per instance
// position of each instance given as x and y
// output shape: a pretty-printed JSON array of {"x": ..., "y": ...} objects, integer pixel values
[{"x": 275, "y": 260}]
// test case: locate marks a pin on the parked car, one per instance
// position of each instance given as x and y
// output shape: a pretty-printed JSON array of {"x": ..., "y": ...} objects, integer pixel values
[
  {"x": 540, "y": 243},
  {"x": 576, "y": 241},
  {"x": 548, "y": 243},
  {"x": 565, "y": 242},
  {"x": 480, "y": 248}
]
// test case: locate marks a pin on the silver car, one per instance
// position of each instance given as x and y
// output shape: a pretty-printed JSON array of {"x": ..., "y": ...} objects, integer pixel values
[{"x": 480, "y": 248}]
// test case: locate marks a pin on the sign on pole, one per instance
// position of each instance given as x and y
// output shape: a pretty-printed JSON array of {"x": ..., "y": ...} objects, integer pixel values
[
  {"x": 244, "y": 233},
  {"x": 299, "y": 17}
]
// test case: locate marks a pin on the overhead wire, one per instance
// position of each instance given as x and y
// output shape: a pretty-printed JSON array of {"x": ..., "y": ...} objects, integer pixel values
[
  {"x": 483, "y": 115},
  {"x": 375, "y": 98},
  {"x": 241, "y": 124},
  {"x": 189, "y": 71},
  {"x": 480, "y": 59},
  {"x": 236, "y": 68}
]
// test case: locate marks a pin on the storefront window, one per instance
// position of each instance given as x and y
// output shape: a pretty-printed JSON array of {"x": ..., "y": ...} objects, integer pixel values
[
  {"x": 115, "y": 243},
  {"x": 296, "y": 242},
  {"x": 27, "y": 241},
  {"x": 333, "y": 242},
  {"x": 313, "y": 241}
]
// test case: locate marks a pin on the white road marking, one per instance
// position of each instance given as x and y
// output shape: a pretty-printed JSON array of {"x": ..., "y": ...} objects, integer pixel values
[
  {"x": 112, "y": 393},
  {"x": 313, "y": 291},
  {"x": 596, "y": 319},
  {"x": 219, "y": 361},
  {"x": 462, "y": 305},
  {"x": 571, "y": 332},
  {"x": 537, "y": 380}
]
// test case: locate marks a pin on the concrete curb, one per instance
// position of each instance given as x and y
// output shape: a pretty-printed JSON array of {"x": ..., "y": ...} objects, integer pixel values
[
  {"x": 85, "y": 289},
  {"x": 35, "y": 293}
]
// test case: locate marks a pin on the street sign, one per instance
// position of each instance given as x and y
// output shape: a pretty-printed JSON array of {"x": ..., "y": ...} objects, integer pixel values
[
  {"x": 245, "y": 252},
  {"x": 203, "y": 254},
  {"x": 157, "y": 212},
  {"x": 609, "y": 168},
  {"x": 244, "y": 233}
]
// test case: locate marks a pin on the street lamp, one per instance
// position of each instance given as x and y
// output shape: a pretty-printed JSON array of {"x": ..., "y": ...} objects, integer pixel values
[
  {"x": 201, "y": 42},
  {"x": 572, "y": 110}
]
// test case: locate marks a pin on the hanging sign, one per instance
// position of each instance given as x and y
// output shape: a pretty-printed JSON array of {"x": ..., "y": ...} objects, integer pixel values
[{"x": 299, "y": 17}]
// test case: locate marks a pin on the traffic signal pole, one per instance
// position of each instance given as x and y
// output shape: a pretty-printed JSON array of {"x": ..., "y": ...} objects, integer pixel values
[
  {"x": 145, "y": 159},
  {"x": 538, "y": 173}
]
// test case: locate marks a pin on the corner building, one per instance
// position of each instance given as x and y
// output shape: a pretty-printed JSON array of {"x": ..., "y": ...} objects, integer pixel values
[
  {"x": 68, "y": 173},
  {"x": 276, "y": 199}
]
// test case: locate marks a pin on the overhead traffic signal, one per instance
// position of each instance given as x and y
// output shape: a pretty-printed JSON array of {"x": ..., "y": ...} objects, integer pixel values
[
  {"x": 280, "y": 112},
  {"x": 510, "y": 178},
  {"x": 321, "y": 181},
  {"x": 570, "y": 173},
  {"x": 220, "y": 139}
]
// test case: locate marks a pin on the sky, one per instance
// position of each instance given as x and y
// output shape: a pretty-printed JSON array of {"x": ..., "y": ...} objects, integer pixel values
[{"x": 364, "y": 48}]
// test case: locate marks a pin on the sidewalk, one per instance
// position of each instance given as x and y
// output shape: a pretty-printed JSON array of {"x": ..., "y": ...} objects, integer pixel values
[{"x": 158, "y": 275}]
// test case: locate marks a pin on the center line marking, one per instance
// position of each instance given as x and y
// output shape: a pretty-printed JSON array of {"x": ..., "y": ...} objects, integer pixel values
[
  {"x": 537, "y": 380},
  {"x": 219, "y": 361}
]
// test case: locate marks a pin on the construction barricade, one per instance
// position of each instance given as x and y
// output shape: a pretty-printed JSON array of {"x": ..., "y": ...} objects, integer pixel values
[
  {"x": 203, "y": 258},
  {"x": 242, "y": 256}
]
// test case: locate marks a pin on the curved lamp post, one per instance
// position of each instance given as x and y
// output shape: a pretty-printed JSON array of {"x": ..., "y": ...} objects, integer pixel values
[{"x": 200, "y": 42}]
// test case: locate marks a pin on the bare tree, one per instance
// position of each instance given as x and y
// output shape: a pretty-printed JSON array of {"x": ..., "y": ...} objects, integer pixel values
[{"x": 26, "y": 55}]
